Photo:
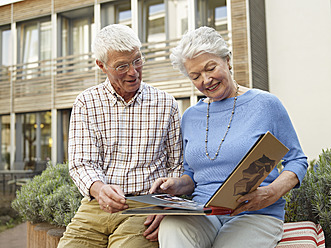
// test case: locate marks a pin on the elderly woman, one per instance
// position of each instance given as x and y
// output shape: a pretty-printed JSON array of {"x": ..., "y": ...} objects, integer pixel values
[{"x": 217, "y": 133}]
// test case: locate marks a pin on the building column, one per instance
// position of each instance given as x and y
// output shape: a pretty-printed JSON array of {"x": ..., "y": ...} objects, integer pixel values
[
  {"x": 38, "y": 137},
  {"x": 12, "y": 139},
  {"x": 191, "y": 20},
  {"x": 134, "y": 16},
  {"x": 54, "y": 137}
]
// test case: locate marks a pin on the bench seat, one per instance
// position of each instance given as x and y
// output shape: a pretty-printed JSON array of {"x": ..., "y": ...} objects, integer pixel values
[{"x": 304, "y": 234}]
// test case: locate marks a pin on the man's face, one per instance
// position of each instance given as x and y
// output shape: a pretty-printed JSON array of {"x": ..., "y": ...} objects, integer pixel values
[{"x": 125, "y": 84}]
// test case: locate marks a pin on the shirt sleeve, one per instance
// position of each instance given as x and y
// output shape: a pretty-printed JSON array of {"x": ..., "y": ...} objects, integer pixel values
[
  {"x": 174, "y": 144},
  {"x": 85, "y": 155}
]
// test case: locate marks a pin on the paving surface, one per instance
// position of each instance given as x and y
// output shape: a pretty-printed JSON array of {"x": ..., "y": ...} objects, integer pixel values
[{"x": 15, "y": 237}]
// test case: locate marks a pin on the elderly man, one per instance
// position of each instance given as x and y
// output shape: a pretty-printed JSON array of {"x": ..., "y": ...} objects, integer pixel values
[{"x": 124, "y": 134}]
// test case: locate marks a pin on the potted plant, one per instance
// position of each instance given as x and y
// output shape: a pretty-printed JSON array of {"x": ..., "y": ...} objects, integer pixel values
[{"x": 50, "y": 198}]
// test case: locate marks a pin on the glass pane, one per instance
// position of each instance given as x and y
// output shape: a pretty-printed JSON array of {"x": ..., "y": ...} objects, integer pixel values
[
  {"x": 46, "y": 41},
  {"x": 123, "y": 14},
  {"x": 30, "y": 43},
  {"x": 221, "y": 18},
  {"x": 156, "y": 22},
  {"x": 6, "y": 48},
  {"x": 45, "y": 139},
  {"x": 29, "y": 139},
  {"x": 5, "y": 142},
  {"x": 212, "y": 14},
  {"x": 65, "y": 37},
  {"x": 81, "y": 36}
]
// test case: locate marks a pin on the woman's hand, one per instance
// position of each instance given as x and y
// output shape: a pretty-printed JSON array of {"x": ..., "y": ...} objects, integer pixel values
[
  {"x": 171, "y": 185},
  {"x": 265, "y": 196},
  {"x": 110, "y": 197}
]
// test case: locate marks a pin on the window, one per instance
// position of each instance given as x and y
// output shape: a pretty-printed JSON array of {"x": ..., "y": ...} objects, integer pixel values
[
  {"x": 212, "y": 13},
  {"x": 116, "y": 12},
  {"x": 77, "y": 28},
  {"x": 5, "y": 60},
  {"x": 76, "y": 32},
  {"x": 153, "y": 20},
  {"x": 5, "y": 142},
  {"x": 33, "y": 141},
  {"x": 35, "y": 48},
  {"x": 6, "y": 47}
]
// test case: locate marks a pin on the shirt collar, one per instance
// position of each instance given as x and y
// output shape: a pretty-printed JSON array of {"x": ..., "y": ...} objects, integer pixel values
[{"x": 116, "y": 98}]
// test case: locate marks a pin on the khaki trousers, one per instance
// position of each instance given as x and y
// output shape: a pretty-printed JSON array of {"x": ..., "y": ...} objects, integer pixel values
[{"x": 93, "y": 227}]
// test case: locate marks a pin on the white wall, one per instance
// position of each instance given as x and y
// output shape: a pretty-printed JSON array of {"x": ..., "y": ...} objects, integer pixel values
[{"x": 299, "y": 51}]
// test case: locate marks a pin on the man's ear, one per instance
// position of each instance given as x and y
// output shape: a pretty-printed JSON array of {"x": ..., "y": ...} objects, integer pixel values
[{"x": 101, "y": 65}]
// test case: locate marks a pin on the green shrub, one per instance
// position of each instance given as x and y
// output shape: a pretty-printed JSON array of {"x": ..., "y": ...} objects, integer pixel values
[
  {"x": 50, "y": 197},
  {"x": 312, "y": 201}
]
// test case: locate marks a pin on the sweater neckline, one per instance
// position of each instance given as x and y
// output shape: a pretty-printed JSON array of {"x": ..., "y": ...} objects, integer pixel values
[{"x": 227, "y": 104}]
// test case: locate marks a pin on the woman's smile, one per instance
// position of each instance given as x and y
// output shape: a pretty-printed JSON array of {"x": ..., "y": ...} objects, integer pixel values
[{"x": 213, "y": 87}]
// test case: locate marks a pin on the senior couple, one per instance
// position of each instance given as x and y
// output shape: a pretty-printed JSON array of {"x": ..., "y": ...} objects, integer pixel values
[{"x": 126, "y": 138}]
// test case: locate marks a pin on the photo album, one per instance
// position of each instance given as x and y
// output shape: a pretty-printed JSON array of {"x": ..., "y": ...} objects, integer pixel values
[{"x": 250, "y": 172}]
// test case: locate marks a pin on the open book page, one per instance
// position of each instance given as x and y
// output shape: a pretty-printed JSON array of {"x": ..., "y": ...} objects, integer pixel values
[
  {"x": 165, "y": 204},
  {"x": 167, "y": 200}
]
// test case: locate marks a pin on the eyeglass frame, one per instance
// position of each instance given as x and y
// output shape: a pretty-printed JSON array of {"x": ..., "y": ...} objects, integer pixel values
[{"x": 127, "y": 65}]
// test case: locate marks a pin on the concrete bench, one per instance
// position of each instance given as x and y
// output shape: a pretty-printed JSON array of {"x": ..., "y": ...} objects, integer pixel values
[{"x": 304, "y": 234}]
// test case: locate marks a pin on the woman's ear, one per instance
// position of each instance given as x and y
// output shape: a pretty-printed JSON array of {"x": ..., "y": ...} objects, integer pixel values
[{"x": 228, "y": 62}]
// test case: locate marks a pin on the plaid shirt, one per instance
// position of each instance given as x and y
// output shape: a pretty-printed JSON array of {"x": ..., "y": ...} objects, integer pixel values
[{"x": 127, "y": 144}]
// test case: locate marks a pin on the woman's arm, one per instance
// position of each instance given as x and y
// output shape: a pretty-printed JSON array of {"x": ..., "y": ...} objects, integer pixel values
[{"x": 265, "y": 196}]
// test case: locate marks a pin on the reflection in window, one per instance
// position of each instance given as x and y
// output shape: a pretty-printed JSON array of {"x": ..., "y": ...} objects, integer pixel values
[
  {"x": 35, "y": 44},
  {"x": 77, "y": 30},
  {"x": 6, "y": 48},
  {"x": 34, "y": 142},
  {"x": 116, "y": 12},
  {"x": 5, "y": 142},
  {"x": 123, "y": 14},
  {"x": 156, "y": 29},
  {"x": 154, "y": 10},
  {"x": 212, "y": 13}
]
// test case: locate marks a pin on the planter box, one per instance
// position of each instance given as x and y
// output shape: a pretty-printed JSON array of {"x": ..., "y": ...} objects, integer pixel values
[{"x": 43, "y": 235}]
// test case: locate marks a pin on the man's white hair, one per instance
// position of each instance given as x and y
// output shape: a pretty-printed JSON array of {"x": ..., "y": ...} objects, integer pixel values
[
  {"x": 197, "y": 42},
  {"x": 114, "y": 37}
]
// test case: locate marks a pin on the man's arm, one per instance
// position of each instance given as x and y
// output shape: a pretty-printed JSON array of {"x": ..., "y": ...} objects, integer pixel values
[{"x": 174, "y": 145}]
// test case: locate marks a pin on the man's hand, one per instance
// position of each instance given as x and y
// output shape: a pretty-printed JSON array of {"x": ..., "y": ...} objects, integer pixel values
[
  {"x": 152, "y": 232},
  {"x": 110, "y": 197}
]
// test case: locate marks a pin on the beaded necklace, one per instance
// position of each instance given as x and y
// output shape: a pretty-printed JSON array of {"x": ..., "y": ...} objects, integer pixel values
[{"x": 207, "y": 128}]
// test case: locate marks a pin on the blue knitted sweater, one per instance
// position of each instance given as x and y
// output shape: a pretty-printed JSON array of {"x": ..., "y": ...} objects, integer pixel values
[{"x": 256, "y": 112}]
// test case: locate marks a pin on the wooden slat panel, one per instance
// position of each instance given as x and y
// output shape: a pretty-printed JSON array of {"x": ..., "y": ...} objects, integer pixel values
[
  {"x": 5, "y": 14},
  {"x": 63, "y": 5},
  {"x": 4, "y": 90},
  {"x": 240, "y": 42},
  {"x": 258, "y": 44},
  {"x": 32, "y": 86},
  {"x": 30, "y": 9}
]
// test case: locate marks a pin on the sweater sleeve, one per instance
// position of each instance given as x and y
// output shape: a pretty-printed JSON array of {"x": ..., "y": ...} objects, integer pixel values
[
  {"x": 187, "y": 169},
  {"x": 295, "y": 160}
]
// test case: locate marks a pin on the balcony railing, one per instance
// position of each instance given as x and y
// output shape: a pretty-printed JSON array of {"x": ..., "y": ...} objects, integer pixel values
[{"x": 48, "y": 84}]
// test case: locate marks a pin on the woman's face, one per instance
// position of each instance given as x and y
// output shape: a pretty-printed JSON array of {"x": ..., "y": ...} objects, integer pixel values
[{"x": 211, "y": 76}]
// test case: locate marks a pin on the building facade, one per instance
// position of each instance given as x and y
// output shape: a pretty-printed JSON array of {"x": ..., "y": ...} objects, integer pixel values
[{"x": 46, "y": 60}]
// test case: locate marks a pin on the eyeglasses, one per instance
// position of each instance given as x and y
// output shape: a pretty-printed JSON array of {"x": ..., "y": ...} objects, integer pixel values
[{"x": 137, "y": 63}]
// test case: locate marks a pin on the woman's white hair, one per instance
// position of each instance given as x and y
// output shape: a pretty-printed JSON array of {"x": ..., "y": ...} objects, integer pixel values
[
  {"x": 114, "y": 37},
  {"x": 196, "y": 42}
]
